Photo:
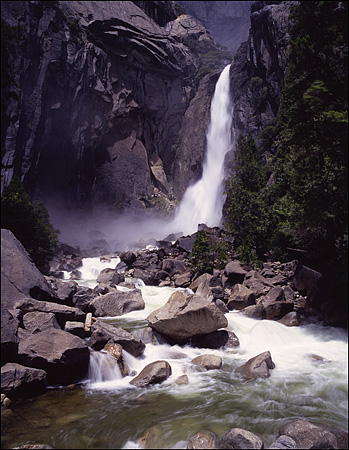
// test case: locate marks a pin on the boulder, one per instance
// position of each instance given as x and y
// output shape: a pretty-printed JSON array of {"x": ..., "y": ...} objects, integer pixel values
[
  {"x": 185, "y": 243},
  {"x": 19, "y": 269},
  {"x": 173, "y": 266},
  {"x": 235, "y": 272},
  {"x": 83, "y": 297},
  {"x": 105, "y": 275},
  {"x": 18, "y": 381},
  {"x": 36, "y": 321},
  {"x": 183, "y": 379},
  {"x": 103, "y": 332},
  {"x": 65, "y": 291},
  {"x": 117, "y": 303},
  {"x": 239, "y": 438},
  {"x": 64, "y": 357},
  {"x": 203, "y": 439},
  {"x": 184, "y": 316},
  {"x": 115, "y": 350},
  {"x": 255, "y": 311},
  {"x": 276, "y": 294},
  {"x": 290, "y": 319},
  {"x": 240, "y": 297},
  {"x": 276, "y": 310},
  {"x": 259, "y": 285},
  {"x": 76, "y": 328},
  {"x": 149, "y": 277},
  {"x": 209, "y": 362},
  {"x": 154, "y": 373},
  {"x": 128, "y": 258},
  {"x": 309, "y": 435},
  {"x": 62, "y": 313},
  {"x": 9, "y": 336},
  {"x": 283, "y": 442},
  {"x": 256, "y": 367},
  {"x": 183, "y": 280},
  {"x": 216, "y": 339},
  {"x": 200, "y": 280}
]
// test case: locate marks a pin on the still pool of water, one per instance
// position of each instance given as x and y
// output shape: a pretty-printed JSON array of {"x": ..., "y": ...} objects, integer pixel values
[{"x": 309, "y": 382}]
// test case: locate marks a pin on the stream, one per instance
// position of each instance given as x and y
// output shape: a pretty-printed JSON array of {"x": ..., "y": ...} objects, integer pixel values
[{"x": 309, "y": 382}]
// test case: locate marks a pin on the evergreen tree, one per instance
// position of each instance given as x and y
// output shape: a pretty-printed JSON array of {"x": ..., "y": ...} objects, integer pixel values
[{"x": 29, "y": 223}]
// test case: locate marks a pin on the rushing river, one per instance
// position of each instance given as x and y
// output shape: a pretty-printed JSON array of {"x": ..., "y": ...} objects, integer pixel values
[{"x": 309, "y": 381}]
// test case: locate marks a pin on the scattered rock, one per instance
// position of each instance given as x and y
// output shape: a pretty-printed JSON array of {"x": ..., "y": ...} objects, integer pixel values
[
  {"x": 283, "y": 442},
  {"x": 239, "y": 438},
  {"x": 308, "y": 435},
  {"x": 154, "y": 373},
  {"x": 258, "y": 366},
  {"x": 203, "y": 439},
  {"x": 183, "y": 379},
  {"x": 240, "y": 297},
  {"x": 209, "y": 362},
  {"x": 117, "y": 303}
]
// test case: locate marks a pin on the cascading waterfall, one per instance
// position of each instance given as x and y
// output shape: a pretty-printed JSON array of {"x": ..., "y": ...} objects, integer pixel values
[{"x": 203, "y": 201}]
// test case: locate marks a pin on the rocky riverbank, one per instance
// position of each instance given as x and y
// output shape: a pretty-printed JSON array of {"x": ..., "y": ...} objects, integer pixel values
[{"x": 50, "y": 326}]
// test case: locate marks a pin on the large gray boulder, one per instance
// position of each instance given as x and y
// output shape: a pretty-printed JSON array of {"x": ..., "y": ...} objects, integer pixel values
[
  {"x": 209, "y": 362},
  {"x": 240, "y": 438},
  {"x": 309, "y": 435},
  {"x": 154, "y": 373},
  {"x": 240, "y": 297},
  {"x": 18, "y": 381},
  {"x": 21, "y": 272},
  {"x": 256, "y": 367},
  {"x": 117, "y": 303},
  {"x": 61, "y": 355},
  {"x": 102, "y": 332},
  {"x": 184, "y": 316}
]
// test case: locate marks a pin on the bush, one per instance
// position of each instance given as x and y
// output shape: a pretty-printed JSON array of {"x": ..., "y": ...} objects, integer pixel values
[
  {"x": 29, "y": 223},
  {"x": 209, "y": 252}
]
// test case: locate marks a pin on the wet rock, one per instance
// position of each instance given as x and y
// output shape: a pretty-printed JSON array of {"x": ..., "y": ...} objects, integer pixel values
[
  {"x": 203, "y": 439},
  {"x": 290, "y": 319},
  {"x": 283, "y": 442},
  {"x": 33, "y": 446},
  {"x": 18, "y": 381},
  {"x": 117, "y": 303},
  {"x": 61, "y": 355},
  {"x": 103, "y": 332},
  {"x": 184, "y": 316},
  {"x": 183, "y": 379},
  {"x": 75, "y": 275},
  {"x": 5, "y": 401},
  {"x": 309, "y": 435},
  {"x": 256, "y": 367},
  {"x": 115, "y": 350},
  {"x": 153, "y": 373},
  {"x": 240, "y": 297},
  {"x": 239, "y": 438},
  {"x": 35, "y": 321},
  {"x": 209, "y": 362}
]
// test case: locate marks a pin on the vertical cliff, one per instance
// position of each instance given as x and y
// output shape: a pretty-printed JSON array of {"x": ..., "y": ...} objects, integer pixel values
[{"x": 97, "y": 94}]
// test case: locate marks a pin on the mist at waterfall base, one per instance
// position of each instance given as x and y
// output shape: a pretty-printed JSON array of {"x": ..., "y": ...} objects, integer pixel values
[{"x": 202, "y": 202}]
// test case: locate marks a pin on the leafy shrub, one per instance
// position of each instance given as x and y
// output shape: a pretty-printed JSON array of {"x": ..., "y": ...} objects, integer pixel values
[
  {"x": 29, "y": 223},
  {"x": 209, "y": 252}
]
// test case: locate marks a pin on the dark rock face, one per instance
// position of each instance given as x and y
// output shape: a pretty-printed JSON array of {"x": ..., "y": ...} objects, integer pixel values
[
  {"x": 259, "y": 68},
  {"x": 103, "y": 88},
  {"x": 227, "y": 22}
]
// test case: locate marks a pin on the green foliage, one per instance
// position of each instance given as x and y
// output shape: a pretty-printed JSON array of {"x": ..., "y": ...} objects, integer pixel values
[
  {"x": 209, "y": 252},
  {"x": 210, "y": 56},
  {"x": 29, "y": 223}
]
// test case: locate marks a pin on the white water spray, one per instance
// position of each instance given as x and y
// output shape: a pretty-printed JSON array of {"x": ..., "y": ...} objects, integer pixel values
[{"x": 203, "y": 201}]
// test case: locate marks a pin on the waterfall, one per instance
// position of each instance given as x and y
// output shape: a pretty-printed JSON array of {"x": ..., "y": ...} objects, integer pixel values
[
  {"x": 203, "y": 201},
  {"x": 102, "y": 367}
]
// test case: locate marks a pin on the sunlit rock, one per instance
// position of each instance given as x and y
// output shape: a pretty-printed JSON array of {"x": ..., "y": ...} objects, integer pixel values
[
  {"x": 153, "y": 373},
  {"x": 256, "y": 367}
]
